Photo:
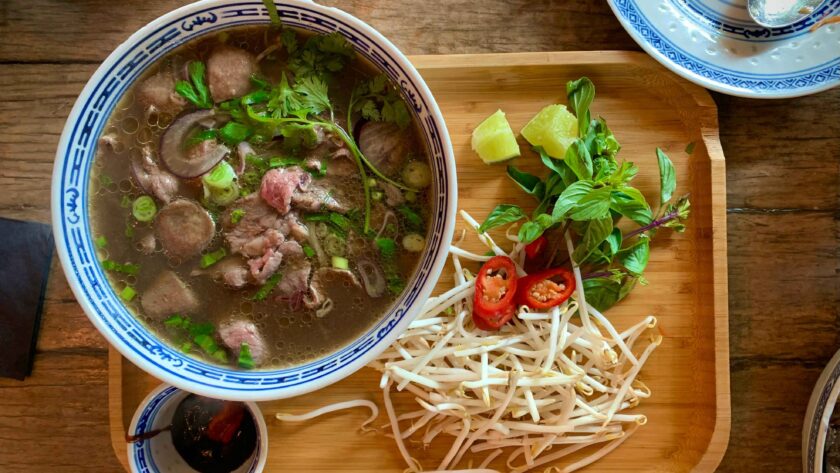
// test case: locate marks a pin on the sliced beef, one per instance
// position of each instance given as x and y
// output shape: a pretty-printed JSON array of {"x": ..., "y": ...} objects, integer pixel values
[
  {"x": 236, "y": 332},
  {"x": 295, "y": 279},
  {"x": 385, "y": 145},
  {"x": 263, "y": 236},
  {"x": 231, "y": 271},
  {"x": 166, "y": 296},
  {"x": 157, "y": 94},
  {"x": 316, "y": 199},
  {"x": 229, "y": 72},
  {"x": 279, "y": 187},
  {"x": 184, "y": 229},
  {"x": 393, "y": 195},
  {"x": 266, "y": 265},
  {"x": 152, "y": 178}
]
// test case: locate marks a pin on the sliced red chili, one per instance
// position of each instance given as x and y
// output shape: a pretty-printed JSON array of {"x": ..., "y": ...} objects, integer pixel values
[
  {"x": 533, "y": 249},
  {"x": 546, "y": 289},
  {"x": 494, "y": 302}
]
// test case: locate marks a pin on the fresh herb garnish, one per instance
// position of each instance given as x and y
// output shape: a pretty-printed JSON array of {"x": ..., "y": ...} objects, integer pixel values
[
  {"x": 245, "y": 360},
  {"x": 196, "y": 90},
  {"x": 128, "y": 293},
  {"x": 236, "y": 215},
  {"x": 376, "y": 100},
  {"x": 585, "y": 194},
  {"x": 101, "y": 242}
]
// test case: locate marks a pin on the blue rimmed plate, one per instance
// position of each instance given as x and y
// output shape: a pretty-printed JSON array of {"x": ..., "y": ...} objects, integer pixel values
[{"x": 715, "y": 44}]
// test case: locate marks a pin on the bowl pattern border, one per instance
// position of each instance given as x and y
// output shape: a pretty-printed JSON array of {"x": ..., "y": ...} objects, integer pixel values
[
  {"x": 70, "y": 199},
  {"x": 719, "y": 78}
]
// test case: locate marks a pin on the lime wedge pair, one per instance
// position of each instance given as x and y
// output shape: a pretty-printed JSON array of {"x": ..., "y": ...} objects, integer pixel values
[{"x": 554, "y": 128}]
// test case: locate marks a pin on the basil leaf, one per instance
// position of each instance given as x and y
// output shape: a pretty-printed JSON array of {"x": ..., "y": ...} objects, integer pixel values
[
  {"x": 570, "y": 197},
  {"x": 502, "y": 215},
  {"x": 578, "y": 159},
  {"x": 603, "y": 168},
  {"x": 602, "y": 293},
  {"x": 581, "y": 93},
  {"x": 600, "y": 140},
  {"x": 594, "y": 205},
  {"x": 635, "y": 258},
  {"x": 559, "y": 166},
  {"x": 629, "y": 202},
  {"x": 667, "y": 176},
  {"x": 614, "y": 241},
  {"x": 598, "y": 257},
  {"x": 627, "y": 286},
  {"x": 528, "y": 182},
  {"x": 596, "y": 232},
  {"x": 625, "y": 173},
  {"x": 530, "y": 231}
]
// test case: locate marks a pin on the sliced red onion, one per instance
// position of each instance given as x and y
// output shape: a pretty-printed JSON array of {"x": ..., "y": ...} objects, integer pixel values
[
  {"x": 172, "y": 151},
  {"x": 372, "y": 277}
]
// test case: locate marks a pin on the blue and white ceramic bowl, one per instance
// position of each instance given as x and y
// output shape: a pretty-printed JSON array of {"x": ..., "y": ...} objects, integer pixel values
[
  {"x": 715, "y": 44},
  {"x": 158, "y": 454},
  {"x": 823, "y": 402},
  {"x": 70, "y": 191}
]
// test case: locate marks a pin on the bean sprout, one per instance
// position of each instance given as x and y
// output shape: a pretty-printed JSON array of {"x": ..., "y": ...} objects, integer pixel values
[{"x": 563, "y": 378}]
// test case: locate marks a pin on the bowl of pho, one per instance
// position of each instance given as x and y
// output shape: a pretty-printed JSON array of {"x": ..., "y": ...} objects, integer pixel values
[{"x": 251, "y": 201}]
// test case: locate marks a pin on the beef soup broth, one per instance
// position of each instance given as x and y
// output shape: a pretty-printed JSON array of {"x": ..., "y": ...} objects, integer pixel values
[{"x": 237, "y": 228}]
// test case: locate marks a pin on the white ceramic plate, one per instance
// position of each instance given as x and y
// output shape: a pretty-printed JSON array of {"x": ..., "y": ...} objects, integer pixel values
[{"x": 715, "y": 44}]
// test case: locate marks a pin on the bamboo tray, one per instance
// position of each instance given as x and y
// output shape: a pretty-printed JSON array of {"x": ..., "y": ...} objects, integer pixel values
[{"x": 646, "y": 106}]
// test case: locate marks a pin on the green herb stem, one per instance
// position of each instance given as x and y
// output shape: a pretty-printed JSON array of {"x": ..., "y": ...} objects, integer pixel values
[{"x": 654, "y": 224}]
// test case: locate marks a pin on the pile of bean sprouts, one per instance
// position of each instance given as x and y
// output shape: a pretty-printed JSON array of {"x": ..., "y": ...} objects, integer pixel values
[{"x": 541, "y": 388}]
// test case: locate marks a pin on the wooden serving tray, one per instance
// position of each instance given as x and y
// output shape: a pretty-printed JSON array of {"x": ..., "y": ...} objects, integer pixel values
[{"x": 646, "y": 106}]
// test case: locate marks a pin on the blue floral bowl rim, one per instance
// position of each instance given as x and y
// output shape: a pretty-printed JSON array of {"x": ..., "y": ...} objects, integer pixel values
[{"x": 74, "y": 240}]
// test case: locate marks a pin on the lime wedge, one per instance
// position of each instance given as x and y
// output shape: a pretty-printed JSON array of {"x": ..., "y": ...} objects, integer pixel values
[
  {"x": 493, "y": 139},
  {"x": 554, "y": 128}
]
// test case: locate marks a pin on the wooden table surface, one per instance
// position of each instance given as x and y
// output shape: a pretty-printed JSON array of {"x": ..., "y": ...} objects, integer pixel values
[{"x": 783, "y": 172}]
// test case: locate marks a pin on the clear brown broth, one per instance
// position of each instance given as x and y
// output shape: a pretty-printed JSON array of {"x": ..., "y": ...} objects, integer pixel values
[{"x": 292, "y": 336}]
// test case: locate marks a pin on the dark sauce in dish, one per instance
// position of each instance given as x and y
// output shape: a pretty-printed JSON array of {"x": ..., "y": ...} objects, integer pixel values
[{"x": 213, "y": 436}]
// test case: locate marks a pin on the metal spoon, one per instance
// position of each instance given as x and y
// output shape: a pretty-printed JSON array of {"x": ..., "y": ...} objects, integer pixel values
[{"x": 778, "y": 13}]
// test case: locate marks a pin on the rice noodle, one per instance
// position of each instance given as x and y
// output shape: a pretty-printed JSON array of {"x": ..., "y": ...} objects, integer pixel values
[{"x": 564, "y": 378}]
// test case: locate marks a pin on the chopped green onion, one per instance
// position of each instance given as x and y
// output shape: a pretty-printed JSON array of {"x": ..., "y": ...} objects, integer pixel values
[
  {"x": 129, "y": 229},
  {"x": 220, "y": 355},
  {"x": 387, "y": 247},
  {"x": 186, "y": 347},
  {"x": 220, "y": 177},
  {"x": 376, "y": 195},
  {"x": 411, "y": 217},
  {"x": 128, "y": 293},
  {"x": 234, "y": 133},
  {"x": 196, "y": 330},
  {"x": 371, "y": 182},
  {"x": 410, "y": 196},
  {"x": 206, "y": 343},
  {"x": 144, "y": 209},
  {"x": 316, "y": 218},
  {"x": 340, "y": 221},
  {"x": 127, "y": 268},
  {"x": 212, "y": 258},
  {"x": 340, "y": 263},
  {"x": 308, "y": 251},
  {"x": 105, "y": 180},
  {"x": 223, "y": 196},
  {"x": 125, "y": 202},
  {"x": 395, "y": 285},
  {"x": 176, "y": 321},
  {"x": 236, "y": 215},
  {"x": 266, "y": 288},
  {"x": 282, "y": 162},
  {"x": 101, "y": 242},
  {"x": 245, "y": 359}
]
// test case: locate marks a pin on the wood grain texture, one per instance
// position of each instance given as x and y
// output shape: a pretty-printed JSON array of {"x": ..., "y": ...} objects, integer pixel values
[
  {"x": 782, "y": 163},
  {"x": 689, "y": 374}
]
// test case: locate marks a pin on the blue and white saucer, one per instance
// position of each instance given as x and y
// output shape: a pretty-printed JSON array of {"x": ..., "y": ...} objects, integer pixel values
[{"x": 715, "y": 44}]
